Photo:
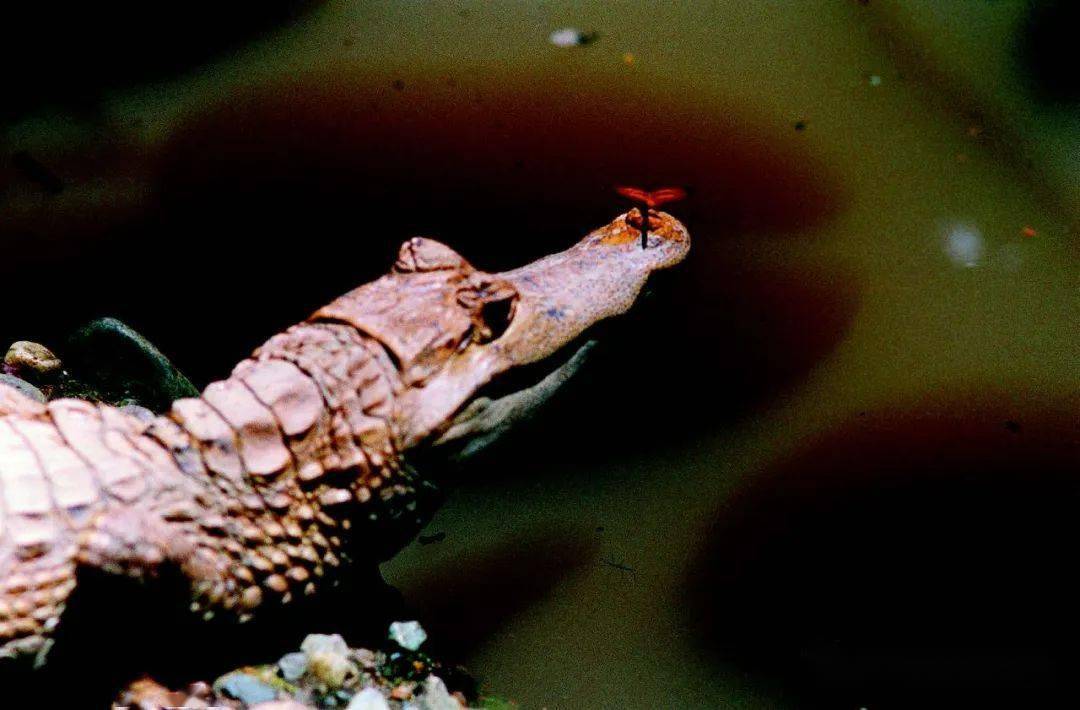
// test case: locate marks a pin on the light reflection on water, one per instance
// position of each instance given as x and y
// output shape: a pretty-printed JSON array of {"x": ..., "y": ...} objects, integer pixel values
[{"x": 964, "y": 245}]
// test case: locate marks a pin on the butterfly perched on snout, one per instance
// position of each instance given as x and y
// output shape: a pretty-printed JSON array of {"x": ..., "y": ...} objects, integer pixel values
[{"x": 649, "y": 200}]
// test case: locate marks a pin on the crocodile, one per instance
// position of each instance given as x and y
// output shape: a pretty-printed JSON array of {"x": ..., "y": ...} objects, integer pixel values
[{"x": 256, "y": 492}]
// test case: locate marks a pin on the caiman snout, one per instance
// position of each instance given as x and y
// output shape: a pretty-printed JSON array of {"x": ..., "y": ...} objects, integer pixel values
[{"x": 599, "y": 277}]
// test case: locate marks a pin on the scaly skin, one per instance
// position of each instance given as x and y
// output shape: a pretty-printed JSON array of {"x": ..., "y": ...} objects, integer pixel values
[{"x": 256, "y": 489}]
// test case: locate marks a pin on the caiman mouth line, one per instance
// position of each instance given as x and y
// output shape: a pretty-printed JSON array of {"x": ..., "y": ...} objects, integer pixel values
[
  {"x": 599, "y": 333},
  {"x": 526, "y": 376},
  {"x": 563, "y": 365}
]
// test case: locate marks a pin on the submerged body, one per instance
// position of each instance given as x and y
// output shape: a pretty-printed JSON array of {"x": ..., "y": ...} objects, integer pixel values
[{"x": 259, "y": 489}]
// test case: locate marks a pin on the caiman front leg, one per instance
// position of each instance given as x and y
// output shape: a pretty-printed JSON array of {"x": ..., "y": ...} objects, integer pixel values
[{"x": 74, "y": 492}]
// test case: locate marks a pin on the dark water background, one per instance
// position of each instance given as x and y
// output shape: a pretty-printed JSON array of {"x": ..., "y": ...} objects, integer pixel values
[{"x": 834, "y": 459}]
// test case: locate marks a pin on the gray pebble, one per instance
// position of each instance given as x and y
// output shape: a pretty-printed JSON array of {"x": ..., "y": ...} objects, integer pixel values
[
  {"x": 139, "y": 412},
  {"x": 293, "y": 665},
  {"x": 23, "y": 387},
  {"x": 245, "y": 688}
]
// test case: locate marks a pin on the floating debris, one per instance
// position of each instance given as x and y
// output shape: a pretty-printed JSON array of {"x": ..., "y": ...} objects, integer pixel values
[
  {"x": 964, "y": 245},
  {"x": 1028, "y": 231},
  {"x": 572, "y": 37},
  {"x": 874, "y": 80},
  {"x": 628, "y": 59}
]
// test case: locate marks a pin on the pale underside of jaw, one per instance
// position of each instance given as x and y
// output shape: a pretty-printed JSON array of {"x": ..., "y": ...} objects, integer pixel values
[{"x": 484, "y": 420}]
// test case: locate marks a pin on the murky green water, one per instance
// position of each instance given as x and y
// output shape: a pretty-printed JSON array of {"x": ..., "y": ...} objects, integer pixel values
[{"x": 831, "y": 463}]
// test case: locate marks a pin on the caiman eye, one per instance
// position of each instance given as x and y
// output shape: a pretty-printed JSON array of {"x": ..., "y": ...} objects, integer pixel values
[
  {"x": 490, "y": 303},
  {"x": 495, "y": 317}
]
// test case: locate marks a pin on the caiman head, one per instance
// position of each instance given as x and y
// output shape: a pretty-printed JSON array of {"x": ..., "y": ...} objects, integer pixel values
[{"x": 477, "y": 351}]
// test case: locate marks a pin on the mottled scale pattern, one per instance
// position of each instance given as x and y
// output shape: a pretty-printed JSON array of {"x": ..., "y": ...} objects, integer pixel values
[
  {"x": 260, "y": 487},
  {"x": 65, "y": 469},
  {"x": 250, "y": 489}
]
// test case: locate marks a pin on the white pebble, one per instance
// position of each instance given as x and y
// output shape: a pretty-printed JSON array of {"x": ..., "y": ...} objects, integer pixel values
[
  {"x": 368, "y": 699},
  {"x": 324, "y": 643},
  {"x": 436, "y": 696},
  {"x": 408, "y": 634}
]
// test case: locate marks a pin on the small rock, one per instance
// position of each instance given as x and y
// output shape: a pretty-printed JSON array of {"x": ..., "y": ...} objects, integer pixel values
[
  {"x": 280, "y": 705},
  {"x": 436, "y": 697},
  {"x": 245, "y": 688},
  {"x": 293, "y": 665},
  {"x": 408, "y": 634},
  {"x": 368, "y": 699},
  {"x": 120, "y": 366},
  {"x": 147, "y": 693},
  {"x": 403, "y": 691},
  {"x": 32, "y": 361},
  {"x": 365, "y": 658},
  {"x": 22, "y": 387},
  {"x": 139, "y": 412},
  {"x": 330, "y": 668},
  {"x": 201, "y": 690},
  {"x": 332, "y": 643},
  {"x": 572, "y": 37},
  {"x": 328, "y": 658}
]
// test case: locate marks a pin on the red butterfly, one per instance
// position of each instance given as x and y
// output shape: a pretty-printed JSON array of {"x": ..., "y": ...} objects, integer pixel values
[
  {"x": 650, "y": 200},
  {"x": 654, "y": 198}
]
